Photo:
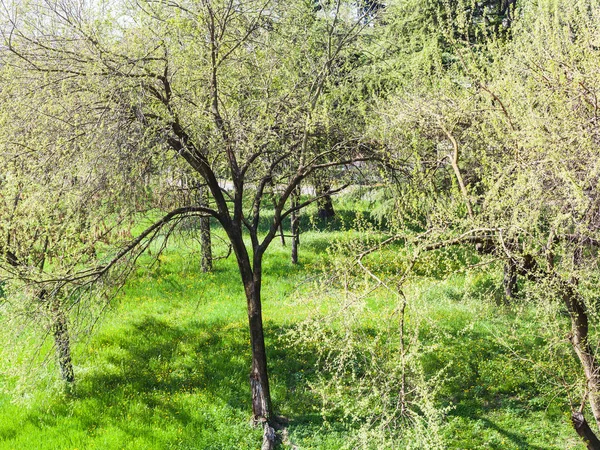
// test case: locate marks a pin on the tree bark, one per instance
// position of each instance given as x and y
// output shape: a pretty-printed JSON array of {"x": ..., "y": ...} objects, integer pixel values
[
  {"x": 251, "y": 273},
  {"x": 206, "y": 244},
  {"x": 510, "y": 279},
  {"x": 269, "y": 438},
  {"x": 281, "y": 233},
  {"x": 295, "y": 228},
  {"x": 579, "y": 338},
  {"x": 325, "y": 204},
  {"x": 584, "y": 430},
  {"x": 295, "y": 237},
  {"x": 454, "y": 162},
  {"x": 61, "y": 341},
  {"x": 205, "y": 238},
  {"x": 259, "y": 377}
]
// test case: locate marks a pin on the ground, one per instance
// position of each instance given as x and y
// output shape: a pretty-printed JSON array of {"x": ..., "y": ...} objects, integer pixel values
[{"x": 167, "y": 366}]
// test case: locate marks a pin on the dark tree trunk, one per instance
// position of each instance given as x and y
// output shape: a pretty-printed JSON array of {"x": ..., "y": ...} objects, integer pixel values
[
  {"x": 584, "y": 430},
  {"x": 325, "y": 204},
  {"x": 251, "y": 274},
  {"x": 579, "y": 338},
  {"x": 281, "y": 233},
  {"x": 205, "y": 240},
  {"x": 61, "y": 341},
  {"x": 259, "y": 377},
  {"x": 529, "y": 267},
  {"x": 295, "y": 237},
  {"x": 295, "y": 227},
  {"x": 510, "y": 280}
]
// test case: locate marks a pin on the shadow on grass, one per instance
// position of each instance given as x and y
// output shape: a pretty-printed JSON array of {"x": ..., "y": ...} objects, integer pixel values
[
  {"x": 517, "y": 440},
  {"x": 156, "y": 356},
  {"x": 156, "y": 374},
  {"x": 482, "y": 378}
]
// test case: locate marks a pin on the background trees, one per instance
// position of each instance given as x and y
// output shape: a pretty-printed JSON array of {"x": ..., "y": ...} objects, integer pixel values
[{"x": 489, "y": 139}]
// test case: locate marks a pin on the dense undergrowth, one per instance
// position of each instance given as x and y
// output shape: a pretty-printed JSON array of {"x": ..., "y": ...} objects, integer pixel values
[{"x": 167, "y": 365}]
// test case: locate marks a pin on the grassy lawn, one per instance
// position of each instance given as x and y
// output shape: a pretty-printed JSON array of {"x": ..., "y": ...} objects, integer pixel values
[{"x": 167, "y": 366}]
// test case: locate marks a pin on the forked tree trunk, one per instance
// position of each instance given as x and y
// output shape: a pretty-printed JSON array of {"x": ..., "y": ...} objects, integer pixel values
[{"x": 62, "y": 343}]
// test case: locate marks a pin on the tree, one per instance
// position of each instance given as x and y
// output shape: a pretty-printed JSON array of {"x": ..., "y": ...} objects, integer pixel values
[
  {"x": 234, "y": 89},
  {"x": 52, "y": 219},
  {"x": 519, "y": 120}
]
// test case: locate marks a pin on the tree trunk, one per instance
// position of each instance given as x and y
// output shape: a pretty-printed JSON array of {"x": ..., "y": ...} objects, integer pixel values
[
  {"x": 325, "y": 204},
  {"x": 295, "y": 239},
  {"x": 295, "y": 228},
  {"x": 205, "y": 240},
  {"x": 510, "y": 280},
  {"x": 62, "y": 342},
  {"x": 269, "y": 438},
  {"x": 281, "y": 233},
  {"x": 251, "y": 277},
  {"x": 259, "y": 377},
  {"x": 584, "y": 430},
  {"x": 579, "y": 338},
  {"x": 206, "y": 244}
]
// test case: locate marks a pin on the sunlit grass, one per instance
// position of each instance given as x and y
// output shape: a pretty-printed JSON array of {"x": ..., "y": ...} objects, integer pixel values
[{"x": 167, "y": 367}]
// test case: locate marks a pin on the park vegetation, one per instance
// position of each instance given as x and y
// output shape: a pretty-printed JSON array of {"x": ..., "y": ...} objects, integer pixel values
[{"x": 162, "y": 161}]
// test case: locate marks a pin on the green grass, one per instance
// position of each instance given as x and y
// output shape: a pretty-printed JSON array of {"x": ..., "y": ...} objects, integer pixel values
[{"x": 167, "y": 367}]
